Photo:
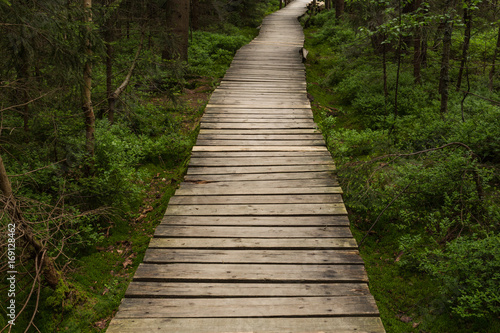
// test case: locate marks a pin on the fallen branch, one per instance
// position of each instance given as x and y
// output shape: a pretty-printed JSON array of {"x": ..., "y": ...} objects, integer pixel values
[{"x": 382, "y": 212}]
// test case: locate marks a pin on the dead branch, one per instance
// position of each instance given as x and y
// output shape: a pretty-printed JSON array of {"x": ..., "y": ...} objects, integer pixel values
[
  {"x": 32, "y": 171},
  {"x": 29, "y": 102},
  {"x": 382, "y": 212}
]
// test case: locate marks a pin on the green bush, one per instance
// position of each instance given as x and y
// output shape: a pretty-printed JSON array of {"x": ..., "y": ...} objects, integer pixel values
[{"x": 469, "y": 270}]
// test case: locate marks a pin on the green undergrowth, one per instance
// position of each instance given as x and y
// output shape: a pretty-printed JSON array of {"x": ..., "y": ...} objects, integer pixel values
[{"x": 422, "y": 191}]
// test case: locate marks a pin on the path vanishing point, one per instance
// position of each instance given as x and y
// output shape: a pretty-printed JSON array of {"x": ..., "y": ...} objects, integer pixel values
[{"x": 257, "y": 238}]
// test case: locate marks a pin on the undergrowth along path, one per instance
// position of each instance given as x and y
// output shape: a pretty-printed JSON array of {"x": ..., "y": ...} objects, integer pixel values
[{"x": 256, "y": 238}]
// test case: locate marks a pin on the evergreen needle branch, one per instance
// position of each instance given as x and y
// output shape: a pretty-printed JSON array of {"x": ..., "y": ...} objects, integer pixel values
[{"x": 382, "y": 212}]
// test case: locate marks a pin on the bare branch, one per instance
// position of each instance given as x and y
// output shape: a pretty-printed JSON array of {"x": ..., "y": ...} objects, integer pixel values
[
  {"x": 45, "y": 167},
  {"x": 29, "y": 102}
]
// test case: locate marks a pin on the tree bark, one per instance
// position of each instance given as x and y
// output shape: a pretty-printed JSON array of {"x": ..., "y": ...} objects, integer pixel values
[
  {"x": 109, "y": 38},
  {"x": 50, "y": 273},
  {"x": 88, "y": 109},
  {"x": 492, "y": 71},
  {"x": 465, "y": 47},
  {"x": 178, "y": 24},
  {"x": 339, "y": 8},
  {"x": 444, "y": 78}
]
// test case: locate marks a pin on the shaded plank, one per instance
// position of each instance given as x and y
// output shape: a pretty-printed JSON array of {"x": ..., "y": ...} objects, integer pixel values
[
  {"x": 249, "y": 325},
  {"x": 180, "y": 289},
  {"x": 255, "y": 161},
  {"x": 252, "y": 232},
  {"x": 319, "y": 220},
  {"x": 254, "y": 243},
  {"x": 259, "y": 176},
  {"x": 324, "y": 257},
  {"x": 248, "y": 307},
  {"x": 246, "y": 199},
  {"x": 259, "y": 148},
  {"x": 251, "y": 272},
  {"x": 259, "y": 153},
  {"x": 247, "y": 190},
  {"x": 258, "y": 209},
  {"x": 275, "y": 142},
  {"x": 261, "y": 169}
]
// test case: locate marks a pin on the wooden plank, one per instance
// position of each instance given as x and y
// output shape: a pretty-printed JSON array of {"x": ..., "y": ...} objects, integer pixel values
[
  {"x": 251, "y": 273},
  {"x": 254, "y": 199},
  {"x": 257, "y": 176},
  {"x": 248, "y": 307},
  {"x": 252, "y": 161},
  {"x": 180, "y": 289},
  {"x": 259, "y": 154},
  {"x": 252, "y": 232},
  {"x": 258, "y": 209},
  {"x": 246, "y": 189},
  {"x": 270, "y": 184},
  {"x": 249, "y": 325},
  {"x": 260, "y": 169},
  {"x": 260, "y": 142},
  {"x": 318, "y": 220},
  {"x": 259, "y": 148},
  {"x": 317, "y": 257},
  {"x": 253, "y": 243},
  {"x": 255, "y": 137},
  {"x": 260, "y": 132}
]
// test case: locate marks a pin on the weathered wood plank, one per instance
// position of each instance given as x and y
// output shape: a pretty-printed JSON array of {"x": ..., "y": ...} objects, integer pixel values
[
  {"x": 202, "y": 142},
  {"x": 251, "y": 273},
  {"x": 259, "y": 148},
  {"x": 258, "y": 137},
  {"x": 318, "y": 220},
  {"x": 253, "y": 243},
  {"x": 257, "y": 176},
  {"x": 254, "y": 199},
  {"x": 245, "y": 189},
  {"x": 260, "y": 169},
  {"x": 249, "y": 325},
  {"x": 248, "y": 307},
  {"x": 317, "y": 257},
  {"x": 258, "y": 209},
  {"x": 252, "y": 232},
  {"x": 180, "y": 289},
  {"x": 255, "y": 161},
  {"x": 259, "y": 154}
]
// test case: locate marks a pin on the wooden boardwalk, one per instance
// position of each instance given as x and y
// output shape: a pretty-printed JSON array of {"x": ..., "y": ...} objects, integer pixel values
[{"x": 257, "y": 238}]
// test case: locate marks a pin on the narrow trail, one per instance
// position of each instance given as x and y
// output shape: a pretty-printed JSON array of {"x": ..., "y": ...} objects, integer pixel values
[{"x": 257, "y": 238}]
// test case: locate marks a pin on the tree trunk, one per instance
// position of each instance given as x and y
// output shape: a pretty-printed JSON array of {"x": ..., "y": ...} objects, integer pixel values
[
  {"x": 400, "y": 40},
  {"x": 465, "y": 47},
  {"x": 384, "y": 68},
  {"x": 417, "y": 47},
  {"x": 281, "y": 4},
  {"x": 444, "y": 77},
  {"x": 417, "y": 56},
  {"x": 50, "y": 273},
  {"x": 88, "y": 109},
  {"x": 492, "y": 72},
  {"x": 109, "y": 39},
  {"x": 339, "y": 8},
  {"x": 178, "y": 24}
]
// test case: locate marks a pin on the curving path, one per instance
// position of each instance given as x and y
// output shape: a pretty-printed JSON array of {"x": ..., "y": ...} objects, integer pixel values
[{"x": 257, "y": 237}]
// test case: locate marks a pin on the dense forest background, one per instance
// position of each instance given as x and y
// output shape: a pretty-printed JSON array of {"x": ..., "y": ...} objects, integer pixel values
[
  {"x": 99, "y": 107},
  {"x": 407, "y": 94}
]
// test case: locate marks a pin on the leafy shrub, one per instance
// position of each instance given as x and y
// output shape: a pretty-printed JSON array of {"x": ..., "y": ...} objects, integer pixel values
[
  {"x": 469, "y": 270},
  {"x": 211, "y": 53}
]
